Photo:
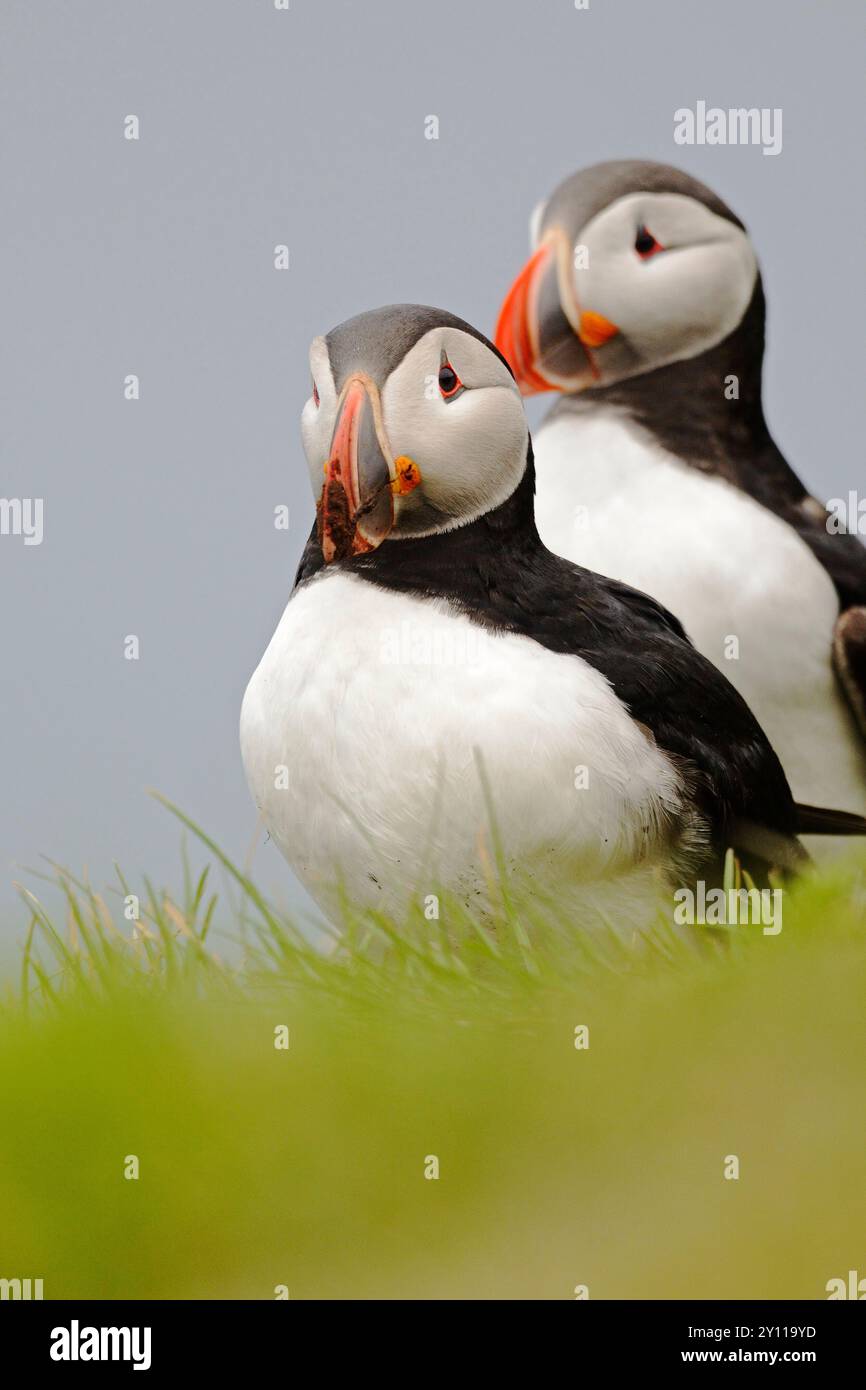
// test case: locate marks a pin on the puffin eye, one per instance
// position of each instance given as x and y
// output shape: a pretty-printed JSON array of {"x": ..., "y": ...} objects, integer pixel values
[
  {"x": 645, "y": 243},
  {"x": 315, "y": 395},
  {"x": 449, "y": 382}
]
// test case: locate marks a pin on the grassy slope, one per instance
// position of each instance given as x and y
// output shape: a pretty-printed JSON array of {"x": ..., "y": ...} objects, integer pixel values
[{"x": 262, "y": 1167}]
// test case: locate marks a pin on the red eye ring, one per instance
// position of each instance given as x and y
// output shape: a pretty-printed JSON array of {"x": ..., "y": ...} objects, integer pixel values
[
  {"x": 645, "y": 243},
  {"x": 315, "y": 395},
  {"x": 450, "y": 384}
]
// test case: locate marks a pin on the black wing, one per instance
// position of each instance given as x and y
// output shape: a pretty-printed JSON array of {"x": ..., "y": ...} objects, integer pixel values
[
  {"x": 697, "y": 717},
  {"x": 849, "y": 653},
  {"x": 311, "y": 559}
]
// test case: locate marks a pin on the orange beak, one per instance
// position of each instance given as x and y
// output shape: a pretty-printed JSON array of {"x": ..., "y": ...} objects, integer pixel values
[
  {"x": 356, "y": 509},
  {"x": 542, "y": 332},
  {"x": 518, "y": 318}
]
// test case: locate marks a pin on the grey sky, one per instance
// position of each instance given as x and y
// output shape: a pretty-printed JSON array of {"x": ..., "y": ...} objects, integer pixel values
[{"x": 155, "y": 257}]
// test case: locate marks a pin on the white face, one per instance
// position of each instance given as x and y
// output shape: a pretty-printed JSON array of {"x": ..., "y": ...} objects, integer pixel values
[
  {"x": 672, "y": 278},
  {"x": 450, "y": 406}
]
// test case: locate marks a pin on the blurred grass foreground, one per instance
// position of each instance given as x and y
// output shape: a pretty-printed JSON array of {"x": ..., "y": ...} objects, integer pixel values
[{"x": 431, "y": 1110}]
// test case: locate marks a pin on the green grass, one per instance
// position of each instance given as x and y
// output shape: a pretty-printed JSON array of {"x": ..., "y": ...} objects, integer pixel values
[{"x": 261, "y": 1167}]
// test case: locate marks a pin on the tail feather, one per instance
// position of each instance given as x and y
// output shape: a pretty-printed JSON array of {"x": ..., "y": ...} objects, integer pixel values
[{"x": 817, "y": 820}]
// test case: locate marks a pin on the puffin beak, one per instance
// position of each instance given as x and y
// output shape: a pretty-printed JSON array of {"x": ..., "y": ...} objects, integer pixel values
[
  {"x": 356, "y": 508},
  {"x": 516, "y": 333},
  {"x": 542, "y": 332}
]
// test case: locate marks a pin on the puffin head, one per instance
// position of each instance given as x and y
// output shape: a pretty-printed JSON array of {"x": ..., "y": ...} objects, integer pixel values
[
  {"x": 414, "y": 425},
  {"x": 635, "y": 265}
]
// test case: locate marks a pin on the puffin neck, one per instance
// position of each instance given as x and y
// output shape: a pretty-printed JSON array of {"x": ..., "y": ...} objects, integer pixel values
[
  {"x": 453, "y": 563},
  {"x": 684, "y": 406}
]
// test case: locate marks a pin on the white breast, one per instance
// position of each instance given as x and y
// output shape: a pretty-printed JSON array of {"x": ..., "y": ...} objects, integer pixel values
[
  {"x": 362, "y": 730},
  {"x": 747, "y": 589}
]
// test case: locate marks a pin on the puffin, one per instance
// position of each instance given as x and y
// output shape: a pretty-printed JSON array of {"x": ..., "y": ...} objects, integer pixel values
[
  {"x": 447, "y": 706},
  {"x": 642, "y": 306}
]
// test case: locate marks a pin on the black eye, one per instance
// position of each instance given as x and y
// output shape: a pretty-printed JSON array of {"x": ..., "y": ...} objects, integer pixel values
[
  {"x": 449, "y": 382},
  {"x": 315, "y": 394},
  {"x": 645, "y": 243}
]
